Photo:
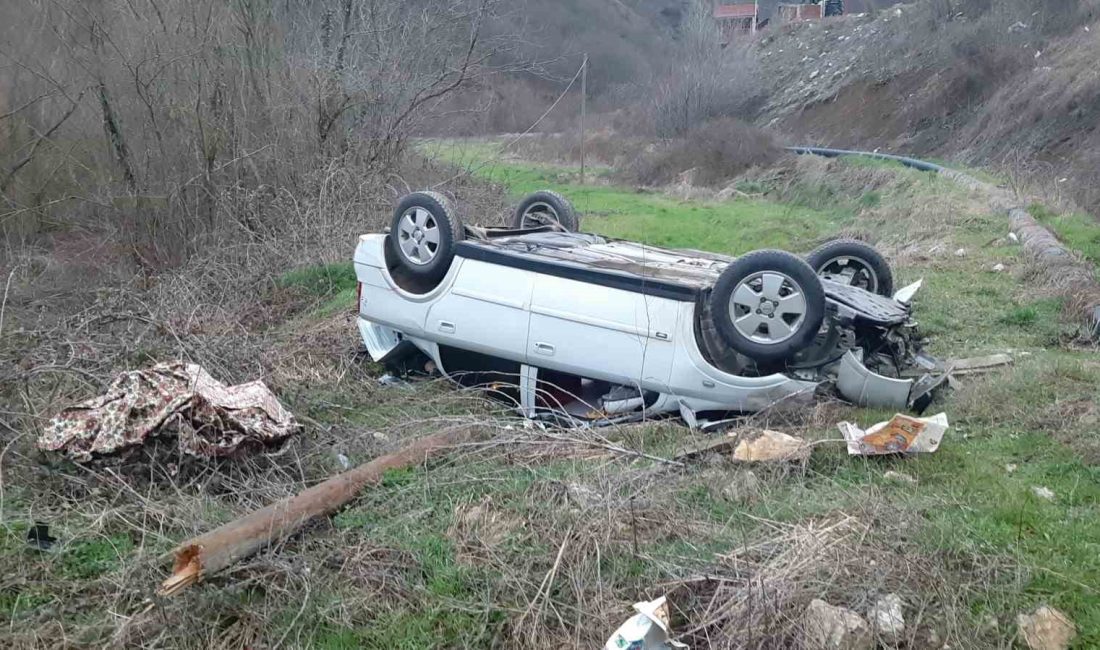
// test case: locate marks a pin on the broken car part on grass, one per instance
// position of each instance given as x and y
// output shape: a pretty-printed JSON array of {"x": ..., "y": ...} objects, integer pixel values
[
  {"x": 582, "y": 328},
  {"x": 208, "y": 418},
  {"x": 649, "y": 629}
]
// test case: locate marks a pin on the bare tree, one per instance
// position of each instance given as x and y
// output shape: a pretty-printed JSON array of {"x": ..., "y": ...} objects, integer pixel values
[
  {"x": 196, "y": 97},
  {"x": 704, "y": 79}
]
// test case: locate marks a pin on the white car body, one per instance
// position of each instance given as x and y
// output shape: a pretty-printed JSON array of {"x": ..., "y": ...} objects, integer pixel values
[{"x": 559, "y": 316}]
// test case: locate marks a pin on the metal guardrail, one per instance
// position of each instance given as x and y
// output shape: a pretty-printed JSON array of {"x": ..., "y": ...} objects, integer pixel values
[{"x": 826, "y": 152}]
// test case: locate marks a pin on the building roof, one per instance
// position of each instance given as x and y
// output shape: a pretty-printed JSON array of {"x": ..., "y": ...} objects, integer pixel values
[{"x": 742, "y": 10}]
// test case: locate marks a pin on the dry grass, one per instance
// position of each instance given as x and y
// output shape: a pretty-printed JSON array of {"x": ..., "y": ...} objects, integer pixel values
[
  {"x": 540, "y": 537},
  {"x": 757, "y": 594}
]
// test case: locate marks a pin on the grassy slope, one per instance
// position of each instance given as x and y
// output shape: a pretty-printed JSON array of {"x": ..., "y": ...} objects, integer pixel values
[
  {"x": 969, "y": 501},
  {"x": 967, "y": 497},
  {"x": 454, "y": 556}
]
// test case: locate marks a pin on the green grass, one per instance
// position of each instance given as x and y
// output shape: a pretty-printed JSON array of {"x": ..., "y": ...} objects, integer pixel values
[
  {"x": 1079, "y": 231},
  {"x": 968, "y": 504},
  {"x": 967, "y": 501},
  {"x": 732, "y": 227},
  {"x": 969, "y": 518},
  {"x": 91, "y": 558},
  {"x": 333, "y": 285},
  {"x": 323, "y": 280}
]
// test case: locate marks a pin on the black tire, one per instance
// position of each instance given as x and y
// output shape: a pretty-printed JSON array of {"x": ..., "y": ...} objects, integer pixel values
[
  {"x": 425, "y": 259},
  {"x": 872, "y": 271},
  {"x": 768, "y": 331},
  {"x": 546, "y": 207}
]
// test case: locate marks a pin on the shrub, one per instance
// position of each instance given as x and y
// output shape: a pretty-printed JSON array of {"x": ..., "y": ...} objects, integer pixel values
[{"x": 717, "y": 150}]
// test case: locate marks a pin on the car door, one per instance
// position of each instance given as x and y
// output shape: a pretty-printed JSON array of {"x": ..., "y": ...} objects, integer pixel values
[
  {"x": 600, "y": 332},
  {"x": 486, "y": 310}
]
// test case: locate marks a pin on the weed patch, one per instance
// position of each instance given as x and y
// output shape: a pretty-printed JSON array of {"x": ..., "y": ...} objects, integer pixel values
[
  {"x": 321, "y": 281},
  {"x": 92, "y": 558}
]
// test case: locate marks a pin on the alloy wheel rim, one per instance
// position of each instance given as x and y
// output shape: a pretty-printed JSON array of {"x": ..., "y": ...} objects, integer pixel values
[
  {"x": 418, "y": 236},
  {"x": 768, "y": 307}
]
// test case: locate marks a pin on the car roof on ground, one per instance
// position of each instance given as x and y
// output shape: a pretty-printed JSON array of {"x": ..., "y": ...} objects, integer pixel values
[{"x": 680, "y": 274}]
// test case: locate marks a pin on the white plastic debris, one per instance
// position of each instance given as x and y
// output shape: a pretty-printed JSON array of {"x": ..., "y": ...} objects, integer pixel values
[
  {"x": 903, "y": 434},
  {"x": 998, "y": 267},
  {"x": 906, "y": 293},
  {"x": 646, "y": 630},
  {"x": 899, "y": 477},
  {"x": 1043, "y": 492},
  {"x": 1013, "y": 237},
  {"x": 960, "y": 252}
]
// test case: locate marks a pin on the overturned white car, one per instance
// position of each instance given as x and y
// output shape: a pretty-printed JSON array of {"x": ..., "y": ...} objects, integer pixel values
[{"x": 567, "y": 323}]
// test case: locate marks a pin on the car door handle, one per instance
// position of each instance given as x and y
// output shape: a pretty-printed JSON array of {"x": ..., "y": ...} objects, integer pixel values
[
  {"x": 545, "y": 349},
  {"x": 446, "y": 327}
]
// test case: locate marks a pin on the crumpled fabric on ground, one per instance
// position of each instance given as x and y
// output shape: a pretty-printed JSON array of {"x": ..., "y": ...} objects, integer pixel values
[{"x": 209, "y": 418}]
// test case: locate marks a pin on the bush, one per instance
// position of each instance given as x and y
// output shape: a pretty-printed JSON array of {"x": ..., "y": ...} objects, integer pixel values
[
  {"x": 703, "y": 80},
  {"x": 717, "y": 150}
]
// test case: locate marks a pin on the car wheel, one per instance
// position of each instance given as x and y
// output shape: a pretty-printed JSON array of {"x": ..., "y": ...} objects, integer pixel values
[
  {"x": 546, "y": 208},
  {"x": 424, "y": 234},
  {"x": 853, "y": 263},
  {"x": 768, "y": 305}
]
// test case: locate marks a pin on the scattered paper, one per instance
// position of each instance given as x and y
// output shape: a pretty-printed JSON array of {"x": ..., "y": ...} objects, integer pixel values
[{"x": 901, "y": 435}]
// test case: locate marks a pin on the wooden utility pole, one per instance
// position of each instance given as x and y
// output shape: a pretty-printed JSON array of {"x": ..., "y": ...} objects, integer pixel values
[
  {"x": 205, "y": 555},
  {"x": 584, "y": 108}
]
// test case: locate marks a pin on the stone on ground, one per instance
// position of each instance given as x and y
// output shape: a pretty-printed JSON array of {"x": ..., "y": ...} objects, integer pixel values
[
  {"x": 888, "y": 618},
  {"x": 826, "y": 627},
  {"x": 1046, "y": 629}
]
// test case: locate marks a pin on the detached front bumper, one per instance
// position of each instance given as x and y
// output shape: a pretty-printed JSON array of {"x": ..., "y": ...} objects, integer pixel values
[{"x": 862, "y": 387}]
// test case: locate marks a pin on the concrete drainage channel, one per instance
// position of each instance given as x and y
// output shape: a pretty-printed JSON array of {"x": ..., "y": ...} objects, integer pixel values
[{"x": 1074, "y": 278}]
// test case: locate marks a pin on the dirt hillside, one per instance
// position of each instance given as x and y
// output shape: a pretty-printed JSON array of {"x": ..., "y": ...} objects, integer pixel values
[{"x": 1004, "y": 86}]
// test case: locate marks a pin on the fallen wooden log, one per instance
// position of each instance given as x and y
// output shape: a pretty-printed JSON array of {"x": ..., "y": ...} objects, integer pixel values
[
  {"x": 977, "y": 365},
  {"x": 205, "y": 555},
  {"x": 1065, "y": 270}
]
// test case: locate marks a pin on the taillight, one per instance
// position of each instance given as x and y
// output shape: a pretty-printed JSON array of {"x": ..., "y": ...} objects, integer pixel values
[{"x": 358, "y": 296}]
